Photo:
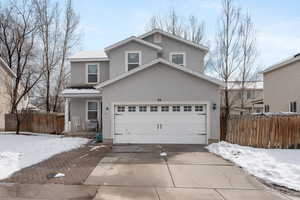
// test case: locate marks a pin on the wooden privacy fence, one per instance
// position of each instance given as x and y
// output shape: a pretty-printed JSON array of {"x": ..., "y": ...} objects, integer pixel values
[
  {"x": 264, "y": 131},
  {"x": 36, "y": 122}
]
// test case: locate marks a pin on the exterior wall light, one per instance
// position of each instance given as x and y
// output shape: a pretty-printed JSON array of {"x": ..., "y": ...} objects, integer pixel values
[{"x": 214, "y": 106}]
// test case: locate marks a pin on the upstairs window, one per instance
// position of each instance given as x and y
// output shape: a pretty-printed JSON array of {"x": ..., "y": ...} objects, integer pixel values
[
  {"x": 177, "y": 58},
  {"x": 92, "y": 71},
  {"x": 133, "y": 60}
]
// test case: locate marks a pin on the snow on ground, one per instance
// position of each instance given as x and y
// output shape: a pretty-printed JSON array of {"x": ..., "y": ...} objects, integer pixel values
[
  {"x": 276, "y": 166},
  {"x": 19, "y": 151}
]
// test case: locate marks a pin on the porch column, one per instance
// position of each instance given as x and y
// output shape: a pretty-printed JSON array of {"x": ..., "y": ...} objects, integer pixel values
[{"x": 67, "y": 124}]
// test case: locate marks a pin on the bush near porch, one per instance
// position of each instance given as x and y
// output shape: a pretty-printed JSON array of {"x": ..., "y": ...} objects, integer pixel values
[{"x": 263, "y": 131}]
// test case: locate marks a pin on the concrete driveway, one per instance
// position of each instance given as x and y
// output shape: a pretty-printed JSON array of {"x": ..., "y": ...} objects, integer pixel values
[{"x": 188, "y": 172}]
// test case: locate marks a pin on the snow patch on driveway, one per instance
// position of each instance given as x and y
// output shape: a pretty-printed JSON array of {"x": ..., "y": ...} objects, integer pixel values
[
  {"x": 276, "y": 166},
  {"x": 19, "y": 151}
]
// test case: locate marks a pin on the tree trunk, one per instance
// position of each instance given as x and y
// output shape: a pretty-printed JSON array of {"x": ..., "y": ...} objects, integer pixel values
[{"x": 18, "y": 123}]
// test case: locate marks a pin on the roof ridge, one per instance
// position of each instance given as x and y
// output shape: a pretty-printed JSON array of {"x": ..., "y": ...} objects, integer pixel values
[
  {"x": 110, "y": 47},
  {"x": 190, "y": 42}
]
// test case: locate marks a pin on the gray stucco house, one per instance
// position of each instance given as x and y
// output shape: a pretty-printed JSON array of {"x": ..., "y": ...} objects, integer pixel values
[
  {"x": 281, "y": 86},
  {"x": 145, "y": 89}
]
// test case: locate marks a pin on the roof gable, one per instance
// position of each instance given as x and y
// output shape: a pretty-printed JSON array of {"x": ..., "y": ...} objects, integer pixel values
[
  {"x": 284, "y": 63},
  {"x": 130, "y": 39},
  {"x": 199, "y": 46},
  {"x": 156, "y": 61}
]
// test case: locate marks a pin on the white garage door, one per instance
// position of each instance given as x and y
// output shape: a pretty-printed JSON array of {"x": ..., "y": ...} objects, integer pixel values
[{"x": 177, "y": 124}]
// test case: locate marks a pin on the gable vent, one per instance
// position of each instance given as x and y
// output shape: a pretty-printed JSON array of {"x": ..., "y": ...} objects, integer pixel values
[{"x": 157, "y": 38}]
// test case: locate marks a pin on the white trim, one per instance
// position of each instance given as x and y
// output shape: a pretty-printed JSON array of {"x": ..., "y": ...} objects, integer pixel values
[
  {"x": 199, "y": 46},
  {"x": 86, "y": 109},
  {"x": 87, "y": 59},
  {"x": 132, "y": 38},
  {"x": 160, "y": 60},
  {"x": 86, "y": 73},
  {"x": 281, "y": 64},
  {"x": 126, "y": 58},
  {"x": 67, "y": 110},
  {"x": 207, "y": 103},
  {"x": 178, "y": 52},
  {"x": 82, "y": 95}
]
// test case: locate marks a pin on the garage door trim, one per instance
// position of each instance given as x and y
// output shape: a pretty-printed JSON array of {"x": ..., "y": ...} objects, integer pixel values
[{"x": 207, "y": 103}]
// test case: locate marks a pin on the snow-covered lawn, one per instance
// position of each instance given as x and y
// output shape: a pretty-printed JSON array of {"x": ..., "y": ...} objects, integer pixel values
[
  {"x": 276, "y": 166},
  {"x": 19, "y": 151}
]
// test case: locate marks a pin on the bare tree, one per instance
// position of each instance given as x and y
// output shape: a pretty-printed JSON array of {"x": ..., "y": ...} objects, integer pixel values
[
  {"x": 192, "y": 29},
  {"x": 227, "y": 51},
  {"x": 247, "y": 70},
  {"x": 17, "y": 48},
  {"x": 70, "y": 39},
  {"x": 59, "y": 36},
  {"x": 195, "y": 30},
  {"x": 47, "y": 16}
]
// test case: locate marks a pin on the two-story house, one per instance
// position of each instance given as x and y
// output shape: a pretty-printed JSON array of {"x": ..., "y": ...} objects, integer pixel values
[
  {"x": 6, "y": 79},
  {"x": 282, "y": 86},
  {"x": 145, "y": 89},
  {"x": 244, "y": 99}
]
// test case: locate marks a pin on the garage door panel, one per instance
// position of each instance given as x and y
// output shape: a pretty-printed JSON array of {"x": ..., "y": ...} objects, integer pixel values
[{"x": 171, "y": 126}]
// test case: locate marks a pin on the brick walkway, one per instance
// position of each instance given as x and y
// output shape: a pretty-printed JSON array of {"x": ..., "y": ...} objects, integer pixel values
[{"x": 76, "y": 165}]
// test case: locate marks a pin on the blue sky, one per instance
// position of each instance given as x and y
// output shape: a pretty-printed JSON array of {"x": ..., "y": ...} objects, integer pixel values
[{"x": 277, "y": 22}]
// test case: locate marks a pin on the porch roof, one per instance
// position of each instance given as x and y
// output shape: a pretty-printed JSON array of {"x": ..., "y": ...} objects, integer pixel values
[{"x": 81, "y": 92}]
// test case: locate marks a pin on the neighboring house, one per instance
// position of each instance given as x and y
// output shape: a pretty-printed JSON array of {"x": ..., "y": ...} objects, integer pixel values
[
  {"x": 146, "y": 89},
  {"x": 6, "y": 81},
  {"x": 282, "y": 86},
  {"x": 6, "y": 78},
  {"x": 251, "y": 96}
]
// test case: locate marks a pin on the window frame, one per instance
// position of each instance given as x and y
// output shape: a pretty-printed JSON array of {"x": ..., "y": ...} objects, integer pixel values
[
  {"x": 293, "y": 106},
  {"x": 141, "y": 108},
  {"x": 126, "y": 58},
  {"x": 176, "y": 108},
  {"x": 153, "y": 110},
  {"x": 122, "y": 109},
  {"x": 87, "y": 109},
  {"x": 187, "y": 110},
  {"x": 164, "y": 106},
  {"x": 175, "y": 53},
  {"x": 87, "y": 73},
  {"x": 199, "y": 106},
  {"x": 132, "y": 110}
]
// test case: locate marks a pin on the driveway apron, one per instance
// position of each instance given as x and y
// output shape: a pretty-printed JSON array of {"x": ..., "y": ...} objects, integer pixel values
[{"x": 187, "y": 172}]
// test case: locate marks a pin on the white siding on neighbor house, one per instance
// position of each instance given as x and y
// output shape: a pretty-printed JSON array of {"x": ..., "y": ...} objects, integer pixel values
[
  {"x": 5, "y": 78},
  {"x": 164, "y": 83},
  {"x": 282, "y": 86}
]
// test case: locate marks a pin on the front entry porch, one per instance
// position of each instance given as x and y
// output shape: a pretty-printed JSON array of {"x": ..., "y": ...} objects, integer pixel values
[{"x": 83, "y": 111}]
